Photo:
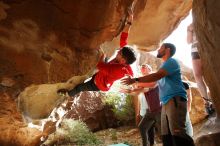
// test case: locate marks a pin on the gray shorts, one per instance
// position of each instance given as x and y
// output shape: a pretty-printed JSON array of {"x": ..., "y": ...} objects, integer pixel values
[{"x": 173, "y": 117}]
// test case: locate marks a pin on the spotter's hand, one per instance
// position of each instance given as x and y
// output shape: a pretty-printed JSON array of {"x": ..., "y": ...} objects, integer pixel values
[{"x": 127, "y": 81}]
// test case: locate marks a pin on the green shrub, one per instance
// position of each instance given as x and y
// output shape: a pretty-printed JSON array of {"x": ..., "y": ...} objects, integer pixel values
[
  {"x": 73, "y": 132},
  {"x": 122, "y": 105}
]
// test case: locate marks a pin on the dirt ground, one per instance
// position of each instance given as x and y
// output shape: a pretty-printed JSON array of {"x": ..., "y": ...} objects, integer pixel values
[
  {"x": 127, "y": 135},
  {"x": 130, "y": 135}
]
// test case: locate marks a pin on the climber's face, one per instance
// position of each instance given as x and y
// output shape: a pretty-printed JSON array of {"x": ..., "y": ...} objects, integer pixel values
[{"x": 120, "y": 58}]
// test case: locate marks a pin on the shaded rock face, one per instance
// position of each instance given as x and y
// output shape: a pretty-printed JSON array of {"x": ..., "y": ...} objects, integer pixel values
[
  {"x": 78, "y": 24},
  {"x": 50, "y": 41}
]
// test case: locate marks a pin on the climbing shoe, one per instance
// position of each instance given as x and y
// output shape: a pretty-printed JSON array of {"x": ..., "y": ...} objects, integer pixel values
[{"x": 62, "y": 92}]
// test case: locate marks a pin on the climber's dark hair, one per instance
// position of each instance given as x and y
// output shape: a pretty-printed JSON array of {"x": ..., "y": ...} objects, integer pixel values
[{"x": 128, "y": 54}]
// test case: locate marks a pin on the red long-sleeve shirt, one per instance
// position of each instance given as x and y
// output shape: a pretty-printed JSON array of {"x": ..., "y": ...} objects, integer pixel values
[
  {"x": 112, "y": 71},
  {"x": 123, "y": 39}
]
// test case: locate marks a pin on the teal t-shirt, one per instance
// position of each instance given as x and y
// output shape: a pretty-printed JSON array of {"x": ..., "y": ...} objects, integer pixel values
[{"x": 171, "y": 85}]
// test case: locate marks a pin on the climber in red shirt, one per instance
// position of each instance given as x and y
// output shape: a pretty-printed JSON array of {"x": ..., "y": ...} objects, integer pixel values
[{"x": 110, "y": 71}]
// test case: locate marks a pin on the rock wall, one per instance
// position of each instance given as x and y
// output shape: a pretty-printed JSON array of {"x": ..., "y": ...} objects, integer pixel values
[
  {"x": 205, "y": 14},
  {"x": 13, "y": 130},
  {"x": 50, "y": 41},
  {"x": 164, "y": 15}
]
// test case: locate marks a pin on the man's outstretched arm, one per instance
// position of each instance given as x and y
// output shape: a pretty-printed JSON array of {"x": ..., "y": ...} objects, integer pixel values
[{"x": 146, "y": 79}]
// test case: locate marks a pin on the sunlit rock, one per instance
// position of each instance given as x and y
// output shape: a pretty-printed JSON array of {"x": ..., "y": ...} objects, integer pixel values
[
  {"x": 38, "y": 101},
  {"x": 13, "y": 130}
]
